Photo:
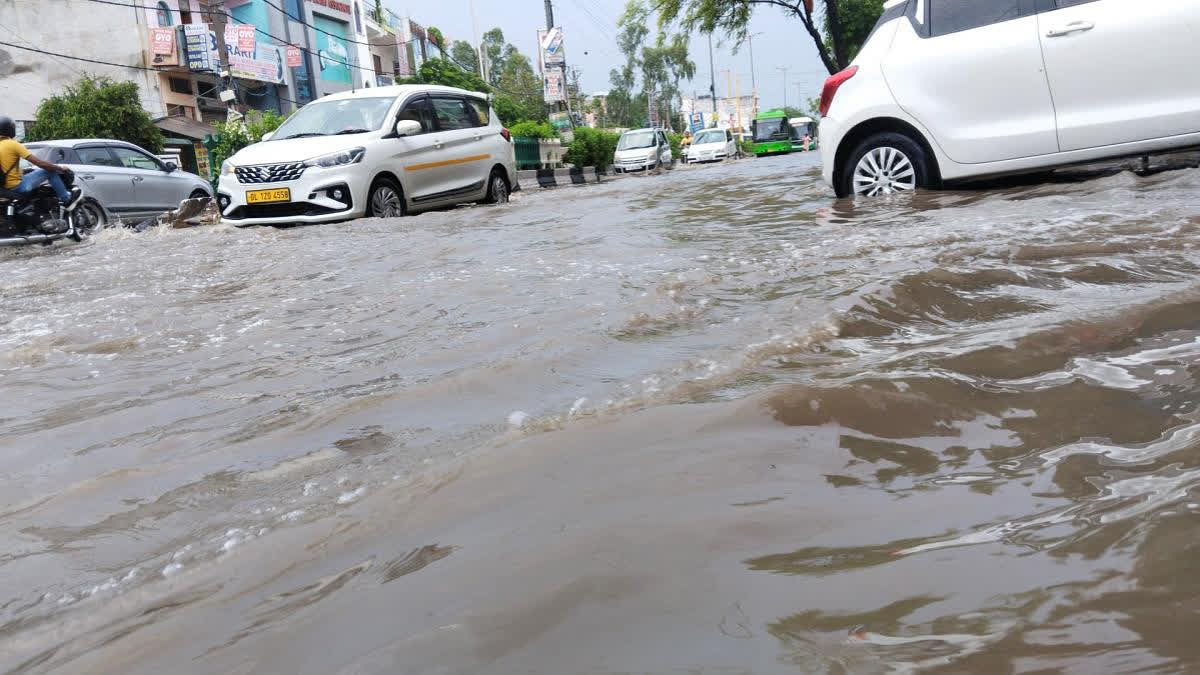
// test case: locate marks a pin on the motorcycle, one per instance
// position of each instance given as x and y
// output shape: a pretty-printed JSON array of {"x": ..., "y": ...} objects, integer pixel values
[{"x": 38, "y": 217}]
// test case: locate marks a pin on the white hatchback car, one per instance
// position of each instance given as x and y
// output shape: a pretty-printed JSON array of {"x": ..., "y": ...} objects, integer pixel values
[
  {"x": 380, "y": 152},
  {"x": 640, "y": 149},
  {"x": 712, "y": 145},
  {"x": 946, "y": 90}
]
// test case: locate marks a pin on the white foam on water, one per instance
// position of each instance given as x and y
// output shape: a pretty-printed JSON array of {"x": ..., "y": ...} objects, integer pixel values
[
  {"x": 347, "y": 497},
  {"x": 518, "y": 418}
]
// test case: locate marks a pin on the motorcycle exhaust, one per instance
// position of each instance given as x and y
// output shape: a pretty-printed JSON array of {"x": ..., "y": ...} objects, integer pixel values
[{"x": 31, "y": 239}]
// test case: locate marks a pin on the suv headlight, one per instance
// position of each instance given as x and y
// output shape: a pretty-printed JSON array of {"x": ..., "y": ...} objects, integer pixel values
[
  {"x": 226, "y": 168},
  {"x": 342, "y": 158}
]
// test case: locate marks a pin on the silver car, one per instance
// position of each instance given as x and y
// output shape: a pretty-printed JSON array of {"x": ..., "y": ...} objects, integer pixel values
[{"x": 120, "y": 180}]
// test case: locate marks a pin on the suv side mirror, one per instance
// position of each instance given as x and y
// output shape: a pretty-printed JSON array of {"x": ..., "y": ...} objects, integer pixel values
[
  {"x": 170, "y": 167},
  {"x": 407, "y": 128}
]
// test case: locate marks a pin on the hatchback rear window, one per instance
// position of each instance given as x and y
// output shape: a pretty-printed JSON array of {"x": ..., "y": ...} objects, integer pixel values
[{"x": 953, "y": 16}]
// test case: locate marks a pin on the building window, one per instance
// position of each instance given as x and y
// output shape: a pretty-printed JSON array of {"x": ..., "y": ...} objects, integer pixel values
[
  {"x": 180, "y": 85},
  {"x": 181, "y": 111},
  {"x": 293, "y": 10},
  {"x": 185, "y": 14},
  {"x": 378, "y": 64},
  {"x": 164, "y": 15},
  {"x": 357, "y": 19},
  {"x": 208, "y": 89}
]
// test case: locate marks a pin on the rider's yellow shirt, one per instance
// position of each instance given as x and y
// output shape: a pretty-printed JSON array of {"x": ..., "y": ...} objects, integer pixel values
[{"x": 11, "y": 154}]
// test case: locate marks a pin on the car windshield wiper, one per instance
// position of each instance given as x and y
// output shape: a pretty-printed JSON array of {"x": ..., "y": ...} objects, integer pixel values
[
  {"x": 351, "y": 131},
  {"x": 304, "y": 135}
]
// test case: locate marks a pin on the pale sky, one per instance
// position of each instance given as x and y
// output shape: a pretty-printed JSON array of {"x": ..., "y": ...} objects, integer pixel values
[{"x": 591, "y": 26}]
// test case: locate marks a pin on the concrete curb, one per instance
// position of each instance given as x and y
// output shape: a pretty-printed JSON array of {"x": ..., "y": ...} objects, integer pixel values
[{"x": 548, "y": 178}]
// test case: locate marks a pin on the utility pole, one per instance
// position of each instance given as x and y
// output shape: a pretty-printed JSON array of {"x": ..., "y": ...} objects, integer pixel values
[
  {"x": 712, "y": 74},
  {"x": 785, "y": 85},
  {"x": 753, "y": 84},
  {"x": 475, "y": 41},
  {"x": 217, "y": 16},
  {"x": 549, "y": 15}
]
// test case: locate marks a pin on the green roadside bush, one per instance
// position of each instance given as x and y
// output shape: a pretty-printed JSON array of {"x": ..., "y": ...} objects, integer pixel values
[
  {"x": 527, "y": 129},
  {"x": 592, "y": 147},
  {"x": 675, "y": 140}
]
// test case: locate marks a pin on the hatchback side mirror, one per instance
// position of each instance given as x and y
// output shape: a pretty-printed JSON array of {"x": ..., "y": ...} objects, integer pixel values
[
  {"x": 407, "y": 128},
  {"x": 170, "y": 167}
]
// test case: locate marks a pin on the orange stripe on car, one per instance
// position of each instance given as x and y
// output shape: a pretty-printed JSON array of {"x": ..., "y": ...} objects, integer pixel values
[{"x": 448, "y": 162}]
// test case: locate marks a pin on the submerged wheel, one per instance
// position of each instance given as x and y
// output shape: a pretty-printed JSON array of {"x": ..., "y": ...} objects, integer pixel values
[
  {"x": 88, "y": 216},
  {"x": 385, "y": 199},
  {"x": 884, "y": 164},
  {"x": 497, "y": 191}
]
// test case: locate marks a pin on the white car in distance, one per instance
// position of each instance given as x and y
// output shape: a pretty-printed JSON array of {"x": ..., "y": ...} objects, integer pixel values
[
  {"x": 950, "y": 90},
  {"x": 642, "y": 149},
  {"x": 712, "y": 145},
  {"x": 383, "y": 152}
]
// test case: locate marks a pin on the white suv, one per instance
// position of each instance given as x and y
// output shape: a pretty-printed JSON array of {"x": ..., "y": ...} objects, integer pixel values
[
  {"x": 380, "y": 152},
  {"x": 947, "y": 90}
]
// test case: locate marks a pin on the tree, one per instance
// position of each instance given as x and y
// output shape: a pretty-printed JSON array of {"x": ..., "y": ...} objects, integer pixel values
[
  {"x": 377, "y": 13},
  {"x": 464, "y": 55},
  {"x": 837, "y": 32},
  {"x": 661, "y": 66},
  {"x": 96, "y": 107},
  {"x": 493, "y": 53},
  {"x": 437, "y": 39},
  {"x": 518, "y": 83},
  {"x": 233, "y": 136},
  {"x": 446, "y": 73}
]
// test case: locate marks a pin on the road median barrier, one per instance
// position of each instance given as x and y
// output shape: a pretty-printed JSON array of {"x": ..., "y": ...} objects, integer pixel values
[{"x": 548, "y": 178}]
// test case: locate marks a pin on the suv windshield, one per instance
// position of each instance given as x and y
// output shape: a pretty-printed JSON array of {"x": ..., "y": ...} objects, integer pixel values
[
  {"x": 347, "y": 116},
  {"x": 766, "y": 130},
  {"x": 636, "y": 139},
  {"x": 710, "y": 137}
]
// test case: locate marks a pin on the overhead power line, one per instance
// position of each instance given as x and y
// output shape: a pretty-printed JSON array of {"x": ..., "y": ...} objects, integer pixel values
[
  {"x": 445, "y": 55},
  {"x": 103, "y": 63}
]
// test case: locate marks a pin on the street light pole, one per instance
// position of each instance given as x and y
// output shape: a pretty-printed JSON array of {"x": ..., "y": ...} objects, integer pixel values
[
  {"x": 785, "y": 84},
  {"x": 712, "y": 74},
  {"x": 753, "y": 83}
]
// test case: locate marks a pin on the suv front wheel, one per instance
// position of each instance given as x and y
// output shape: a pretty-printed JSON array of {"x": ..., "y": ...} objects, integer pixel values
[{"x": 883, "y": 164}]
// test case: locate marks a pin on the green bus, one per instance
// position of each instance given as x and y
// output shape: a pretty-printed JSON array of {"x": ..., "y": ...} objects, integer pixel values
[{"x": 772, "y": 133}]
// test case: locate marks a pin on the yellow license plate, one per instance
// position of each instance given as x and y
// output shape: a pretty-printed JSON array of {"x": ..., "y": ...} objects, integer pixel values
[{"x": 268, "y": 196}]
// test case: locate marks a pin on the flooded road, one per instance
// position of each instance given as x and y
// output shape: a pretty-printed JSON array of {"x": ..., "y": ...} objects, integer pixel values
[{"x": 710, "y": 421}]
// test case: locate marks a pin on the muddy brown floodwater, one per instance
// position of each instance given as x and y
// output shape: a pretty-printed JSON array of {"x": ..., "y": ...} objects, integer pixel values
[{"x": 710, "y": 421}]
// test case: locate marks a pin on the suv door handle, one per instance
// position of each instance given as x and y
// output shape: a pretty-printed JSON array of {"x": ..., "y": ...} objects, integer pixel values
[
  {"x": 88, "y": 177},
  {"x": 138, "y": 179},
  {"x": 1073, "y": 27}
]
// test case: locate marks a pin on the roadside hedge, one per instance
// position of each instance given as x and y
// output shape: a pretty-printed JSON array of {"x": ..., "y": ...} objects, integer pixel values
[
  {"x": 540, "y": 130},
  {"x": 592, "y": 147}
]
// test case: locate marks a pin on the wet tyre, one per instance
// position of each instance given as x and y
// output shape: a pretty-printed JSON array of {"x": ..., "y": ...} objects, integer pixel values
[
  {"x": 89, "y": 216},
  {"x": 497, "y": 190},
  {"x": 385, "y": 200},
  {"x": 884, "y": 164}
]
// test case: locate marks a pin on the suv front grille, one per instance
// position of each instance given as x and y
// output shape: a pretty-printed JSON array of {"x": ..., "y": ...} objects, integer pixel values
[{"x": 269, "y": 173}]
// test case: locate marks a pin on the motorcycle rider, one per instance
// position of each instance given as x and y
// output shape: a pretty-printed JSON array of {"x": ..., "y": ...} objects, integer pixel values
[{"x": 11, "y": 154}]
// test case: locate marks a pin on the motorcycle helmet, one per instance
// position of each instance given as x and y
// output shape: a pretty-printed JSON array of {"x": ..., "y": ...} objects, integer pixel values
[{"x": 8, "y": 128}]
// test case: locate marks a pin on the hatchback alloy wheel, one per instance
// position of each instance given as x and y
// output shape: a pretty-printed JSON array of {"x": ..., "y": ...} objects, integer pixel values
[{"x": 884, "y": 170}]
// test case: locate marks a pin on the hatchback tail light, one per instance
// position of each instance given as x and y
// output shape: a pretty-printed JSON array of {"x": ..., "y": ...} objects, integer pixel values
[
  {"x": 507, "y": 136},
  {"x": 831, "y": 87}
]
